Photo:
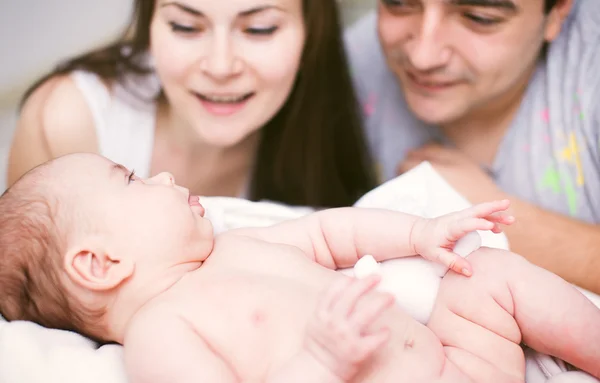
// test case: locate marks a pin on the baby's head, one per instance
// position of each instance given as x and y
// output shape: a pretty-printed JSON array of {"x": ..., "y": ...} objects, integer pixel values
[{"x": 81, "y": 236}]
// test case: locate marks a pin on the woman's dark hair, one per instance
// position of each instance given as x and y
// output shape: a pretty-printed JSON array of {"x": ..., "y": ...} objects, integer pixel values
[{"x": 313, "y": 151}]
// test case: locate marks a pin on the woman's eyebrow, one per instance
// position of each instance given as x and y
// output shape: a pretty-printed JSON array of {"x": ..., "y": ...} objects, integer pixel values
[
  {"x": 183, "y": 7},
  {"x": 258, "y": 9}
]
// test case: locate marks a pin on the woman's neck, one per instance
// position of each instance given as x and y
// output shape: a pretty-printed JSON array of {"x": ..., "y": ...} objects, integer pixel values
[{"x": 203, "y": 168}]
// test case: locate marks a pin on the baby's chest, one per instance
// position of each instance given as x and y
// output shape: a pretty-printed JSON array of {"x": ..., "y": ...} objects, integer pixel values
[{"x": 252, "y": 321}]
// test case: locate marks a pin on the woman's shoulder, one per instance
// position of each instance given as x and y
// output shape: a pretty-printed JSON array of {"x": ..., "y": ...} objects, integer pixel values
[
  {"x": 56, "y": 116},
  {"x": 59, "y": 109},
  {"x": 54, "y": 120}
]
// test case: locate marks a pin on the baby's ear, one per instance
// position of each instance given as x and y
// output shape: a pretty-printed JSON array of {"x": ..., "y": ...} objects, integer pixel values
[{"x": 94, "y": 268}]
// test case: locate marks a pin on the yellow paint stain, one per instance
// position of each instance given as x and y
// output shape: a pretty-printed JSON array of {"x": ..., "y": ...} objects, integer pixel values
[{"x": 571, "y": 154}]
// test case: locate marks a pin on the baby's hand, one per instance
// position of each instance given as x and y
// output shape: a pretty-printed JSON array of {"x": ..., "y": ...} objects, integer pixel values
[
  {"x": 434, "y": 239},
  {"x": 338, "y": 336}
]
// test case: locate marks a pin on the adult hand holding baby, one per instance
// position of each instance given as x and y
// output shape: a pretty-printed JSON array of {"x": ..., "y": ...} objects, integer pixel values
[{"x": 434, "y": 239}]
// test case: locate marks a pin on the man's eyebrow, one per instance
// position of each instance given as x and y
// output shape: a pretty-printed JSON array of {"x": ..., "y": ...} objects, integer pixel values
[
  {"x": 183, "y": 7},
  {"x": 508, "y": 5}
]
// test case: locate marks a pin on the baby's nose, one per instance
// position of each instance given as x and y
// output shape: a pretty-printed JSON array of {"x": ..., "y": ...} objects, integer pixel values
[{"x": 164, "y": 178}]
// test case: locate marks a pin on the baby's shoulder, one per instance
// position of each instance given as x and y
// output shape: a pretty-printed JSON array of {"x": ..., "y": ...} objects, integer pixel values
[
  {"x": 147, "y": 322},
  {"x": 239, "y": 241}
]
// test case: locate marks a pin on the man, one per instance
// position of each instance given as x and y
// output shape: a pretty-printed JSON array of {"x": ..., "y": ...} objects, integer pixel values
[{"x": 503, "y": 98}]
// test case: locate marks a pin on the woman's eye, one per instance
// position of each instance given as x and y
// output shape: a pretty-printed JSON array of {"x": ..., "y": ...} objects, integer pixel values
[
  {"x": 182, "y": 28},
  {"x": 261, "y": 31}
]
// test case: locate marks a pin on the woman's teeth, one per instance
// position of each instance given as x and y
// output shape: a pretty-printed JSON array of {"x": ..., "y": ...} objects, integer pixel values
[{"x": 225, "y": 99}]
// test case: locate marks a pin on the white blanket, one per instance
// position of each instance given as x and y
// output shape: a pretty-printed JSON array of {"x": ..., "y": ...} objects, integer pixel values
[{"x": 32, "y": 354}]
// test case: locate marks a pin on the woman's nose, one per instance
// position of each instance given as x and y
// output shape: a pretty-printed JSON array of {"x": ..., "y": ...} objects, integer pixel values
[{"x": 221, "y": 61}]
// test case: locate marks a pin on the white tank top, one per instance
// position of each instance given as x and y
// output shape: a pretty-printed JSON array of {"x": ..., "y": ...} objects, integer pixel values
[{"x": 124, "y": 122}]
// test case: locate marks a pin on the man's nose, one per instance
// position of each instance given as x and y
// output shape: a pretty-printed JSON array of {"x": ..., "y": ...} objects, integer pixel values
[{"x": 427, "y": 48}]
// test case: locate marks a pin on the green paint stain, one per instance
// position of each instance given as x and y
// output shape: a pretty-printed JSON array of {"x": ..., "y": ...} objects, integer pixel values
[
  {"x": 571, "y": 195},
  {"x": 552, "y": 180}
]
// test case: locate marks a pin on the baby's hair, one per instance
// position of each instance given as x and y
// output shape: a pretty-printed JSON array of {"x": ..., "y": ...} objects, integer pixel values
[{"x": 31, "y": 250}]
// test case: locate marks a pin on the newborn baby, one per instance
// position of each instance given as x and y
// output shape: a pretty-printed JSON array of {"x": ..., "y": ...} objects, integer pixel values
[{"x": 87, "y": 246}]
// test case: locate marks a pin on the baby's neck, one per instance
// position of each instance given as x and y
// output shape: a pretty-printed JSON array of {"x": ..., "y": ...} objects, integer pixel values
[{"x": 134, "y": 296}]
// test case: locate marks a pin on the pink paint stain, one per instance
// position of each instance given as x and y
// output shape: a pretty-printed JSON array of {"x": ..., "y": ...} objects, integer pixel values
[
  {"x": 546, "y": 138},
  {"x": 546, "y": 115},
  {"x": 369, "y": 106},
  {"x": 526, "y": 148}
]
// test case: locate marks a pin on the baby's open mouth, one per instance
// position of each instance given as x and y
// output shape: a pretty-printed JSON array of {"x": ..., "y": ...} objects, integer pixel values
[{"x": 194, "y": 202}]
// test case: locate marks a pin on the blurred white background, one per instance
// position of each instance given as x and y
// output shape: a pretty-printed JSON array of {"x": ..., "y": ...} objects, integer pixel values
[{"x": 37, "y": 34}]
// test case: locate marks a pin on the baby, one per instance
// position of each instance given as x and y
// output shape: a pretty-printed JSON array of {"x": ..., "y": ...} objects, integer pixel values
[{"x": 87, "y": 246}]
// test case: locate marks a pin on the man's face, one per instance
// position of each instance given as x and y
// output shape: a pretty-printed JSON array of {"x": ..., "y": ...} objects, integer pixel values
[{"x": 457, "y": 58}]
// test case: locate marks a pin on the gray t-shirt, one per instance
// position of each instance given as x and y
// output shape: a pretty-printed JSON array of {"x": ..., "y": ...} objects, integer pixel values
[{"x": 551, "y": 154}]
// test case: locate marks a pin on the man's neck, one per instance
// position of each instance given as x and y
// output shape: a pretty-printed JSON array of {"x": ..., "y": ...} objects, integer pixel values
[{"x": 480, "y": 133}]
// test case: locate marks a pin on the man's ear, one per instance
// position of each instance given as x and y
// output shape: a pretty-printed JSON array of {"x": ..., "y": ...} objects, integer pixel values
[
  {"x": 556, "y": 18},
  {"x": 94, "y": 268}
]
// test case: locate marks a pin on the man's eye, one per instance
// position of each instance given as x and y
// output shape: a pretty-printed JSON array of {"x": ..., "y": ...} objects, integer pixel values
[{"x": 482, "y": 20}]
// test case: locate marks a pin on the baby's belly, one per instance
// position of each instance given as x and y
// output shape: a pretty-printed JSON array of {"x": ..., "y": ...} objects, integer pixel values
[{"x": 260, "y": 329}]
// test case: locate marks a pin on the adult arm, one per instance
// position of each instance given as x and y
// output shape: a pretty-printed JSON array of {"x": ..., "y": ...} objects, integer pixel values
[{"x": 54, "y": 121}]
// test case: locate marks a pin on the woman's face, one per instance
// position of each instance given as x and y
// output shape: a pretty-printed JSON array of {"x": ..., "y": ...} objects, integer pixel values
[{"x": 227, "y": 67}]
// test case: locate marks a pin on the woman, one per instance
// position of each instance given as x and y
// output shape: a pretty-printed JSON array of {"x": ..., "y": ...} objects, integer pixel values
[{"x": 238, "y": 98}]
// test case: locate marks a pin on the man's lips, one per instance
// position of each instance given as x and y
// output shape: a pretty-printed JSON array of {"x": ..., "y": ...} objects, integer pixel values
[
  {"x": 194, "y": 202},
  {"x": 430, "y": 83}
]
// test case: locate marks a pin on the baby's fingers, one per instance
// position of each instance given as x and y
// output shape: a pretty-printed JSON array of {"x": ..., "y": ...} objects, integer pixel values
[
  {"x": 332, "y": 294},
  {"x": 349, "y": 297},
  {"x": 455, "y": 262},
  {"x": 461, "y": 227},
  {"x": 373, "y": 342},
  {"x": 487, "y": 208},
  {"x": 371, "y": 309},
  {"x": 501, "y": 218}
]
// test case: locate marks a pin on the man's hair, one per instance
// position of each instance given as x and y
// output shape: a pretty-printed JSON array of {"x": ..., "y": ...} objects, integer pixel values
[
  {"x": 549, "y": 4},
  {"x": 31, "y": 250}
]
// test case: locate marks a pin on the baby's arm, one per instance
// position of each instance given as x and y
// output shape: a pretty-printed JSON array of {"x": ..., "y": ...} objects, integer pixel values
[
  {"x": 337, "y": 238},
  {"x": 165, "y": 349}
]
